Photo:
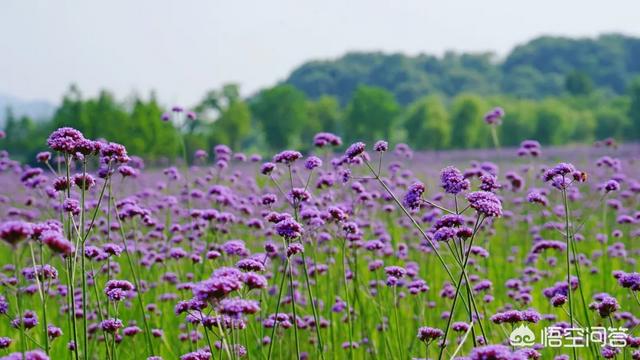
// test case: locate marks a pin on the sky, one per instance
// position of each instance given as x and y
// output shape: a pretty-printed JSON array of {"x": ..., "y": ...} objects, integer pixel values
[{"x": 183, "y": 48}]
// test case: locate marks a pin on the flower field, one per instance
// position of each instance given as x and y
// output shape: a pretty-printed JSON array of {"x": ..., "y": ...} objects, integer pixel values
[{"x": 372, "y": 252}]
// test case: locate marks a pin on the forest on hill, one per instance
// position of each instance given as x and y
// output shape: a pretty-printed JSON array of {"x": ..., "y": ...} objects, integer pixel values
[{"x": 544, "y": 67}]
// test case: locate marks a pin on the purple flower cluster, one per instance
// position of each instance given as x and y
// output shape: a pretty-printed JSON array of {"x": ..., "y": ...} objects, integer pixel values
[
  {"x": 413, "y": 197},
  {"x": 452, "y": 180},
  {"x": 323, "y": 139},
  {"x": 117, "y": 290},
  {"x": 485, "y": 203},
  {"x": 494, "y": 116}
]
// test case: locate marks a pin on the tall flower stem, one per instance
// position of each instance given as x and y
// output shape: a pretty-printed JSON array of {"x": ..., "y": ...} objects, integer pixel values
[
  {"x": 458, "y": 286},
  {"x": 568, "y": 260},
  {"x": 136, "y": 281},
  {"x": 71, "y": 267},
  {"x": 494, "y": 137},
  {"x": 316, "y": 318},
  {"x": 346, "y": 295},
  {"x": 41, "y": 292},
  {"x": 83, "y": 274},
  {"x": 275, "y": 324},
  {"x": 23, "y": 340},
  {"x": 293, "y": 310}
]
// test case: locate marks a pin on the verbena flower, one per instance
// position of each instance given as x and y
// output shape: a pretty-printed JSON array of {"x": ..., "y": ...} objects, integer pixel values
[
  {"x": 452, "y": 180},
  {"x": 354, "y": 150},
  {"x": 485, "y": 203},
  {"x": 413, "y": 197}
]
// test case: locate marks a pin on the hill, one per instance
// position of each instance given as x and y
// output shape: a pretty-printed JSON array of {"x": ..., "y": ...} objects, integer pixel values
[{"x": 545, "y": 66}]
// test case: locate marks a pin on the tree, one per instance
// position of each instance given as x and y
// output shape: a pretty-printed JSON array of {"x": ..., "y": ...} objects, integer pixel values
[
  {"x": 370, "y": 114},
  {"x": 634, "y": 109},
  {"x": 282, "y": 112},
  {"x": 233, "y": 125},
  {"x": 427, "y": 124},
  {"x": 554, "y": 123},
  {"x": 520, "y": 123},
  {"x": 578, "y": 83},
  {"x": 324, "y": 115},
  {"x": 469, "y": 129}
]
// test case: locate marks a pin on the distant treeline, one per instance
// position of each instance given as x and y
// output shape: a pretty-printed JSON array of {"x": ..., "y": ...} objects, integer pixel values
[
  {"x": 543, "y": 67},
  {"x": 554, "y": 90}
]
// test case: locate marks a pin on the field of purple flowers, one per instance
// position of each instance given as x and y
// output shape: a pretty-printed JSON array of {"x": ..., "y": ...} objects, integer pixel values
[{"x": 370, "y": 253}]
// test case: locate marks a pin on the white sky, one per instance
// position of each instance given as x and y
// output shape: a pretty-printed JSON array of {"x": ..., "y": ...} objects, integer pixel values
[{"x": 182, "y": 48}]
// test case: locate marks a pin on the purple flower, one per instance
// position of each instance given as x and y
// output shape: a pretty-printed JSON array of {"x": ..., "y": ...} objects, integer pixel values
[
  {"x": 235, "y": 247},
  {"x": 413, "y": 198},
  {"x": 381, "y": 146},
  {"x": 493, "y": 352},
  {"x": 5, "y": 342},
  {"x": 43, "y": 156},
  {"x": 494, "y": 116},
  {"x": 54, "y": 332},
  {"x": 354, "y": 150},
  {"x": 65, "y": 140},
  {"x": 289, "y": 229},
  {"x": 127, "y": 171},
  {"x": 237, "y": 307},
  {"x": 537, "y": 197},
  {"x": 223, "y": 282},
  {"x": 113, "y": 152},
  {"x": 267, "y": 168},
  {"x": 452, "y": 180},
  {"x": 287, "y": 157},
  {"x": 312, "y": 163},
  {"x": 71, "y": 206},
  {"x": 250, "y": 264},
  {"x": 29, "y": 355},
  {"x": 14, "y": 232},
  {"x": 323, "y": 139},
  {"x": 429, "y": 334},
  {"x": 57, "y": 242},
  {"x": 111, "y": 325},
  {"x": 485, "y": 203},
  {"x": 629, "y": 280},
  {"x": 131, "y": 330},
  {"x": 254, "y": 281},
  {"x": 605, "y": 305},
  {"x": 116, "y": 290},
  {"x": 611, "y": 185},
  {"x": 83, "y": 181}
]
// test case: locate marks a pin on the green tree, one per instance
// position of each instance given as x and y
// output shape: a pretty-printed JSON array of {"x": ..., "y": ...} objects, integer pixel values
[
  {"x": 520, "y": 123},
  {"x": 578, "y": 83},
  {"x": 554, "y": 123},
  {"x": 370, "y": 114},
  {"x": 427, "y": 124},
  {"x": 611, "y": 122},
  {"x": 634, "y": 110},
  {"x": 233, "y": 125},
  {"x": 469, "y": 129},
  {"x": 282, "y": 112}
]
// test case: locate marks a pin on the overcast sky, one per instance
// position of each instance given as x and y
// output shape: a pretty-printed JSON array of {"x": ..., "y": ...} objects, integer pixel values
[{"x": 182, "y": 48}]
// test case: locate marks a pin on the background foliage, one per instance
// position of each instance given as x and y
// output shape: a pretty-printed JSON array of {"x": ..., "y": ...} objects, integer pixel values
[{"x": 556, "y": 90}]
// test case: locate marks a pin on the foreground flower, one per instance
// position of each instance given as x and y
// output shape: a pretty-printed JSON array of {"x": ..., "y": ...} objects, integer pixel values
[
  {"x": 413, "y": 198},
  {"x": 429, "y": 334},
  {"x": 485, "y": 203},
  {"x": 354, "y": 150},
  {"x": 452, "y": 180},
  {"x": 14, "y": 232}
]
